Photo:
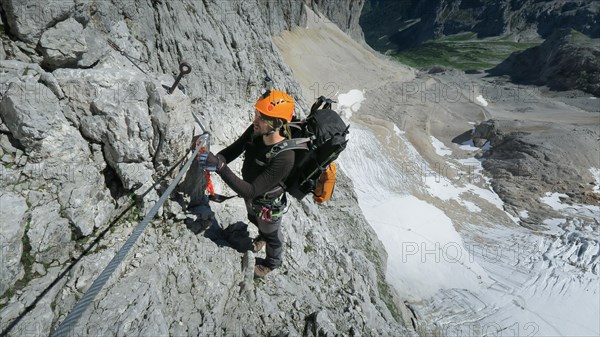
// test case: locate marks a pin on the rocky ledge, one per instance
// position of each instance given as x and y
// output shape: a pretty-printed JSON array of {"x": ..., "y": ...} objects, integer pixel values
[{"x": 525, "y": 165}]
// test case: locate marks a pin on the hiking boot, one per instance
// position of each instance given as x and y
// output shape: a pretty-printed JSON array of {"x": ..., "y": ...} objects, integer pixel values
[
  {"x": 261, "y": 271},
  {"x": 258, "y": 244}
]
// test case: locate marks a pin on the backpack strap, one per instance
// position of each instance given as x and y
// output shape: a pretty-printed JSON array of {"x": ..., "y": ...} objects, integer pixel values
[
  {"x": 285, "y": 145},
  {"x": 317, "y": 105},
  {"x": 260, "y": 163},
  {"x": 288, "y": 144},
  {"x": 296, "y": 125}
]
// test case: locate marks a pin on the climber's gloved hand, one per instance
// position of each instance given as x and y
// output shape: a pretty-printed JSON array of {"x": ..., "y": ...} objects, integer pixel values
[{"x": 210, "y": 162}]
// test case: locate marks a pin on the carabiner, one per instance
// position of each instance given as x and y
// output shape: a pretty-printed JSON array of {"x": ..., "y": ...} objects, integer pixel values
[{"x": 265, "y": 214}]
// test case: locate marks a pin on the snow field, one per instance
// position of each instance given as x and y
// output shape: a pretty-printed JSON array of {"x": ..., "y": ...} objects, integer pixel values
[{"x": 486, "y": 279}]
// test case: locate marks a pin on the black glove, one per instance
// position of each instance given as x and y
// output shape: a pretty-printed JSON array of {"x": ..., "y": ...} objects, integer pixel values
[{"x": 210, "y": 162}]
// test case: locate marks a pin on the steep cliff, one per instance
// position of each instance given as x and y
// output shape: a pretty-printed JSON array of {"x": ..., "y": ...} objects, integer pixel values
[
  {"x": 90, "y": 138},
  {"x": 398, "y": 25},
  {"x": 345, "y": 14}
]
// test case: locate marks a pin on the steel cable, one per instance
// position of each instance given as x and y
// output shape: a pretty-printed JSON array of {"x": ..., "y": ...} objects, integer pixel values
[{"x": 75, "y": 314}]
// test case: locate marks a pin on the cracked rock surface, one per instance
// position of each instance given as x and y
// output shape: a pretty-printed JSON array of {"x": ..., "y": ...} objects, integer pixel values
[{"x": 89, "y": 140}]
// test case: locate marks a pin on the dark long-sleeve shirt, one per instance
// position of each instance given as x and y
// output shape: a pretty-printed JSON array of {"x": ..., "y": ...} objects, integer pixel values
[{"x": 259, "y": 175}]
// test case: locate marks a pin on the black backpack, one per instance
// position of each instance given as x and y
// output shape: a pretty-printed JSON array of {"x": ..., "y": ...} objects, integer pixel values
[{"x": 317, "y": 140}]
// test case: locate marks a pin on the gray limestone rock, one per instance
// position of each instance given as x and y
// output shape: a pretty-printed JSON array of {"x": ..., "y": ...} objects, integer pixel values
[
  {"x": 2, "y": 51},
  {"x": 345, "y": 14},
  {"x": 12, "y": 52},
  {"x": 134, "y": 175},
  {"x": 111, "y": 131},
  {"x": 112, "y": 109},
  {"x": 96, "y": 47},
  {"x": 525, "y": 165},
  {"x": 140, "y": 128},
  {"x": 15, "y": 70},
  {"x": 7, "y": 146},
  {"x": 62, "y": 157},
  {"x": 173, "y": 124},
  {"x": 64, "y": 44},
  {"x": 27, "y": 19},
  {"x": 39, "y": 321},
  {"x": 26, "y": 52},
  {"x": 50, "y": 81},
  {"x": 10, "y": 176},
  {"x": 93, "y": 127},
  {"x": 30, "y": 111},
  {"x": 191, "y": 188},
  {"x": 12, "y": 213},
  {"x": 85, "y": 203},
  {"x": 128, "y": 124},
  {"x": 49, "y": 234},
  {"x": 319, "y": 324}
]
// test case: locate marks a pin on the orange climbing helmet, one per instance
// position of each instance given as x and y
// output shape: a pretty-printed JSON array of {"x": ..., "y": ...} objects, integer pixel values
[{"x": 277, "y": 104}]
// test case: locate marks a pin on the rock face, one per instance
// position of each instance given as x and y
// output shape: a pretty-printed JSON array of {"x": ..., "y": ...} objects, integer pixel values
[
  {"x": 398, "y": 25},
  {"x": 566, "y": 60},
  {"x": 345, "y": 14},
  {"x": 89, "y": 138},
  {"x": 524, "y": 167},
  {"x": 64, "y": 44},
  {"x": 27, "y": 19},
  {"x": 13, "y": 227}
]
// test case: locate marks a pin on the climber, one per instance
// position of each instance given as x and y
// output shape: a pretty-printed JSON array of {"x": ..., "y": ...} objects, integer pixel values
[{"x": 262, "y": 177}]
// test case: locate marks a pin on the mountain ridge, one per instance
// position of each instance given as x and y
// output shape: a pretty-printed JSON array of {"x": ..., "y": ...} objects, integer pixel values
[{"x": 395, "y": 26}]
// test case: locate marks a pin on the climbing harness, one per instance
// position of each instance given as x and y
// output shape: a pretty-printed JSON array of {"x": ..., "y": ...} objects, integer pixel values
[
  {"x": 269, "y": 214},
  {"x": 269, "y": 209},
  {"x": 265, "y": 214}
]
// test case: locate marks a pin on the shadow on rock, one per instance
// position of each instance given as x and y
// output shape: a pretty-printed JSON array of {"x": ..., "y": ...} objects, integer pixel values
[
  {"x": 197, "y": 225},
  {"x": 463, "y": 137},
  {"x": 199, "y": 218},
  {"x": 235, "y": 236}
]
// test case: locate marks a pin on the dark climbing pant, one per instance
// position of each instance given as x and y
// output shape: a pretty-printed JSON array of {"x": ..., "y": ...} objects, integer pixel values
[{"x": 270, "y": 231}]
